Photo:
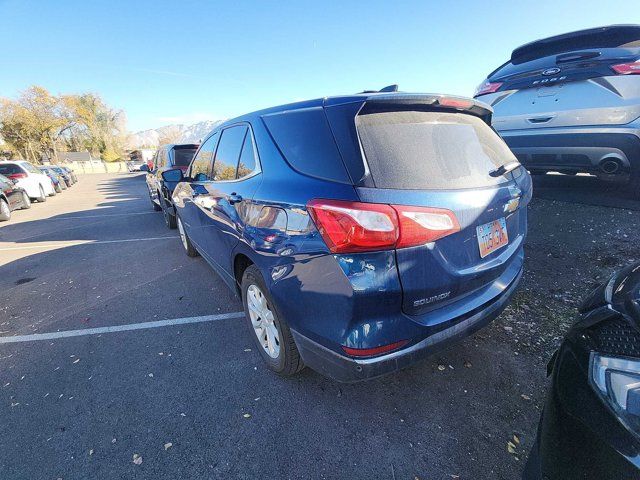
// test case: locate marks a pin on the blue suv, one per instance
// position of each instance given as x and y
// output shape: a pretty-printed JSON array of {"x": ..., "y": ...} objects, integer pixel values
[{"x": 363, "y": 232}]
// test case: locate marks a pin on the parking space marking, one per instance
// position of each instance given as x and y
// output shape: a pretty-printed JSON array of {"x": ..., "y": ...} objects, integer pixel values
[
  {"x": 100, "y": 216},
  {"x": 83, "y": 242},
  {"x": 119, "y": 328}
]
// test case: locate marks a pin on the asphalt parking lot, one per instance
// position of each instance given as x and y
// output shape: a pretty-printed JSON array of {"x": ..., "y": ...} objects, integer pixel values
[{"x": 191, "y": 399}]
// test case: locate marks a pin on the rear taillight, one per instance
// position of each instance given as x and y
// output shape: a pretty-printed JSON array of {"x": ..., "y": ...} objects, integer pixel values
[
  {"x": 632, "y": 68},
  {"x": 454, "y": 102},
  {"x": 351, "y": 227},
  {"x": 487, "y": 87},
  {"x": 420, "y": 225},
  {"x": 16, "y": 176}
]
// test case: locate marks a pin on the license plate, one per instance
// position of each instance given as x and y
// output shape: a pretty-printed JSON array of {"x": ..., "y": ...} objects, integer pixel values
[{"x": 492, "y": 236}]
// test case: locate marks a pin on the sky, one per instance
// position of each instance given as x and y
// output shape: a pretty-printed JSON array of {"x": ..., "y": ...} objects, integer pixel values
[{"x": 184, "y": 61}]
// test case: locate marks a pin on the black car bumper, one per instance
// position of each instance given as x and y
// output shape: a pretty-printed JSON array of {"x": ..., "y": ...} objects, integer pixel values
[{"x": 347, "y": 369}]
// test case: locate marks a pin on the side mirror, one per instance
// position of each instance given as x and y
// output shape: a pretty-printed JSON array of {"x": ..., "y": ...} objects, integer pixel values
[
  {"x": 173, "y": 175},
  {"x": 144, "y": 167}
]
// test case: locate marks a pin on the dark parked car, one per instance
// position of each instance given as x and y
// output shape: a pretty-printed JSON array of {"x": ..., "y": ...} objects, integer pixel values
[
  {"x": 58, "y": 180},
  {"x": 571, "y": 103},
  {"x": 72, "y": 175},
  {"x": 160, "y": 191},
  {"x": 12, "y": 198},
  {"x": 363, "y": 232},
  {"x": 590, "y": 425},
  {"x": 64, "y": 174}
]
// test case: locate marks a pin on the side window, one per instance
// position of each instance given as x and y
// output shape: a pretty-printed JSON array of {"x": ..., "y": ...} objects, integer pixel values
[
  {"x": 30, "y": 168},
  {"x": 247, "y": 163},
  {"x": 228, "y": 153},
  {"x": 201, "y": 164}
]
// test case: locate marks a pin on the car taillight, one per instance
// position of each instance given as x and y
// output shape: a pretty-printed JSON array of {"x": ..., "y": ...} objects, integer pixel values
[
  {"x": 420, "y": 225},
  {"x": 632, "y": 68},
  {"x": 351, "y": 227},
  {"x": 487, "y": 87},
  {"x": 15, "y": 176}
]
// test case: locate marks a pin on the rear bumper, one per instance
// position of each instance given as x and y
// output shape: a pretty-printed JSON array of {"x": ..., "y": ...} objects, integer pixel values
[
  {"x": 580, "y": 150},
  {"x": 346, "y": 369}
]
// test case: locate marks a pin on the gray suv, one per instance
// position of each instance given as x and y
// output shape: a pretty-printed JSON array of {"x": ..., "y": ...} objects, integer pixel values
[{"x": 571, "y": 103}]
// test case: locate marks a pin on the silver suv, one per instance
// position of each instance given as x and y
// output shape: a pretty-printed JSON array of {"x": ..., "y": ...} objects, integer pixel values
[{"x": 571, "y": 103}]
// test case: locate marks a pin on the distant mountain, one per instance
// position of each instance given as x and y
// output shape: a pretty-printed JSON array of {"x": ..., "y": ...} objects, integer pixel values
[{"x": 178, "y": 133}]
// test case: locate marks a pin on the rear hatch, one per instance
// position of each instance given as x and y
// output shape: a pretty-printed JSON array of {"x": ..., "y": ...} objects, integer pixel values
[
  {"x": 448, "y": 160},
  {"x": 581, "y": 78},
  {"x": 182, "y": 156}
]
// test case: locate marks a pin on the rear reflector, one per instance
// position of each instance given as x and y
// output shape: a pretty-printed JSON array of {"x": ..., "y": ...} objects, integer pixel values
[
  {"x": 627, "y": 68},
  {"x": 372, "y": 352},
  {"x": 351, "y": 227},
  {"x": 487, "y": 87},
  {"x": 15, "y": 176}
]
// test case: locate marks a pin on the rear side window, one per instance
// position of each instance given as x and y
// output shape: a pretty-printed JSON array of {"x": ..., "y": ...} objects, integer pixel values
[
  {"x": 183, "y": 156},
  {"x": 228, "y": 153},
  {"x": 9, "y": 169},
  {"x": 306, "y": 142},
  {"x": 431, "y": 150},
  {"x": 247, "y": 163}
]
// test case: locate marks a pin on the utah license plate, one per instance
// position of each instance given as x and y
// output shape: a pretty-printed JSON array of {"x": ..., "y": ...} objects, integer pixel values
[{"x": 492, "y": 236}]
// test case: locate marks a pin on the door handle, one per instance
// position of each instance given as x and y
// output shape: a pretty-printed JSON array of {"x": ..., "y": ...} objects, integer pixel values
[{"x": 234, "y": 198}]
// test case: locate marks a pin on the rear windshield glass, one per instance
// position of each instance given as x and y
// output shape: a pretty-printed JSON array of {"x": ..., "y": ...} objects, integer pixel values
[
  {"x": 431, "y": 150},
  {"x": 182, "y": 156},
  {"x": 8, "y": 169}
]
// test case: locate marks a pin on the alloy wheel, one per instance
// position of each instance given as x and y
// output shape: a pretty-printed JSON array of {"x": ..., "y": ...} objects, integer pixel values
[
  {"x": 263, "y": 322},
  {"x": 183, "y": 237}
]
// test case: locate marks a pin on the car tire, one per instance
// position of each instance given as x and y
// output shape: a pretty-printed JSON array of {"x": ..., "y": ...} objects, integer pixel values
[
  {"x": 57, "y": 188},
  {"x": 169, "y": 218},
  {"x": 269, "y": 330},
  {"x": 189, "y": 249},
  {"x": 43, "y": 196},
  {"x": 5, "y": 211},
  {"x": 26, "y": 201},
  {"x": 156, "y": 207}
]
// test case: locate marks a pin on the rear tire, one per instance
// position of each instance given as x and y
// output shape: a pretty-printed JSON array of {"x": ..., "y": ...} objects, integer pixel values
[
  {"x": 57, "y": 188},
  {"x": 189, "y": 249},
  {"x": 277, "y": 348},
  {"x": 169, "y": 218},
  {"x": 5, "y": 211},
  {"x": 26, "y": 201},
  {"x": 43, "y": 197}
]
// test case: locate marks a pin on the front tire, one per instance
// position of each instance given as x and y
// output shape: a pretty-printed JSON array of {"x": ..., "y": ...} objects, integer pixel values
[
  {"x": 43, "y": 196},
  {"x": 57, "y": 188},
  {"x": 189, "y": 249},
  {"x": 156, "y": 207},
  {"x": 269, "y": 330},
  {"x": 5, "y": 211},
  {"x": 26, "y": 201}
]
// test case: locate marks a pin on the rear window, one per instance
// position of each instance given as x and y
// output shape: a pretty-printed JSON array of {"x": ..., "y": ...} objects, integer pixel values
[
  {"x": 9, "y": 169},
  {"x": 431, "y": 150},
  {"x": 306, "y": 142},
  {"x": 182, "y": 156}
]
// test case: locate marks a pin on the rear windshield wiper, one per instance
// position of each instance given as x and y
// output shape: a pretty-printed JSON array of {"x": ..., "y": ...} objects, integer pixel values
[{"x": 502, "y": 169}]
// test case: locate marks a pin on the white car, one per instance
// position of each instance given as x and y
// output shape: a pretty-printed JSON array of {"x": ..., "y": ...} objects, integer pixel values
[{"x": 38, "y": 185}]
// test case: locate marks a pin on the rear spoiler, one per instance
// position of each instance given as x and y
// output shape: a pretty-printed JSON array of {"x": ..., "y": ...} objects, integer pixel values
[
  {"x": 421, "y": 101},
  {"x": 601, "y": 37}
]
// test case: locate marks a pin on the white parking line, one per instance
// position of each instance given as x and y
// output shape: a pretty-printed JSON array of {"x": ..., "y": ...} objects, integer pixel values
[
  {"x": 119, "y": 328},
  {"x": 101, "y": 216},
  {"x": 84, "y": 242}
]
